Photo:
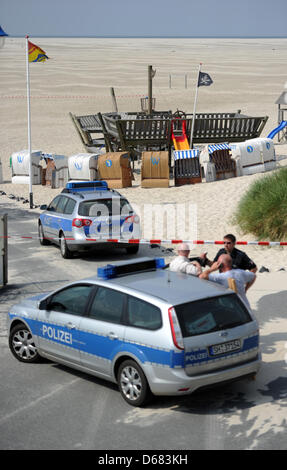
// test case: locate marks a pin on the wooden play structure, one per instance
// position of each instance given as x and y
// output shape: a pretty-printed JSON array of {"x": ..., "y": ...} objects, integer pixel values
[
  {"x": 149, "y": 133},
  {"x": 138, "y": 132}
]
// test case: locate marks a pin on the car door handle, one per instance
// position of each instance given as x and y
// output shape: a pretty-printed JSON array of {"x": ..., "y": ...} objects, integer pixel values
[
  {"x": 71, "y": 326},
  {"x": 113, "y": 336}
]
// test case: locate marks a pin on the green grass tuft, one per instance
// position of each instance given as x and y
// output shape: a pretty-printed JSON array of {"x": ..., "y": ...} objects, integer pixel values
[{"x": 262, "y": 211}]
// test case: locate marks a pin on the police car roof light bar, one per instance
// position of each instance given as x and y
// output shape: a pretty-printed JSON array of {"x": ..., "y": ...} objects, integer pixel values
[
  {"x": 111, "y": 271},
  {"x": 77, "y": 186}
]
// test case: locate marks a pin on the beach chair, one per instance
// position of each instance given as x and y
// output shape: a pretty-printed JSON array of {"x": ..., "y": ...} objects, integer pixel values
[
  {"x": 186, "y": 167},
  {"x": 155, "y": 170},
  {"x": 220, "y": 155},
  {"x": 115, "y": 169}
]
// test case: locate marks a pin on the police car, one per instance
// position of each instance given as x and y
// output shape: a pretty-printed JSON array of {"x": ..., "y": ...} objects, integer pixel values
[
  {"x": 147, "y": 329},
  {"x": 85, "y": 215}
]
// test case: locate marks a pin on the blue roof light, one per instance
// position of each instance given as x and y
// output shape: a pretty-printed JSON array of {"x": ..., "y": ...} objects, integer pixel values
[
  {"x": 159, "y": 263},
  {"x": 111, "y": 271},
  {"x": 77, "y": 186},
  {"x": 107, "y": 272}
]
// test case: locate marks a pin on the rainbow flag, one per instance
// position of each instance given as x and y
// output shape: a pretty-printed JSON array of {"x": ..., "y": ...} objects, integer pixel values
[{"x": 36, "y": 54}]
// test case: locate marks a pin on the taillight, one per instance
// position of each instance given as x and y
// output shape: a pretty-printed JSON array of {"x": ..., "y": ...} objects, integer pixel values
[
  {"x": 175, "y": 329},
  {"x": 81, "y": 223},
  {"x": 133, "y": 219}
]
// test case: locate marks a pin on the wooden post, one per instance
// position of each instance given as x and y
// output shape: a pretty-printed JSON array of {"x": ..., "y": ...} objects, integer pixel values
[
  {"x": 115, "y": 106},
  {"x": 149, "y": 109}
]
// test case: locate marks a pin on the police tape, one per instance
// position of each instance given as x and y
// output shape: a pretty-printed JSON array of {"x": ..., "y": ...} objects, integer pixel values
[
  {"x": 152, "y": 241},
  {"x": 70, "y": 97}
]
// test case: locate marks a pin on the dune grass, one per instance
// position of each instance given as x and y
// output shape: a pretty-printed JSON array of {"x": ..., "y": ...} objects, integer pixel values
[{"x": 262, "y": 211}]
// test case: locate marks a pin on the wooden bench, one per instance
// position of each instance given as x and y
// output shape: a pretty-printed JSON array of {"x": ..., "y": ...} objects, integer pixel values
[
  {"x": 138, "y": 135},
  {"x": 224, "y": 127},
  {"x": 87, "y": 127}
]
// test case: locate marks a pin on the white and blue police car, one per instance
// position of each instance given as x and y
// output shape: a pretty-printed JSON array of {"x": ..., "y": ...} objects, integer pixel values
[
  {"x": 85, "y": 215},
  {"x": 149, "y": 330}
]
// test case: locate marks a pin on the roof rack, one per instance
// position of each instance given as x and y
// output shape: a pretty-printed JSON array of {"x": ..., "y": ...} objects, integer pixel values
[{"x": 111, "y": 271}]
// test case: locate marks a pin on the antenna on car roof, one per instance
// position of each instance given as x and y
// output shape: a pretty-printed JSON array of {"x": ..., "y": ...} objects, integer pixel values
[{"x": 168, "y": 276}]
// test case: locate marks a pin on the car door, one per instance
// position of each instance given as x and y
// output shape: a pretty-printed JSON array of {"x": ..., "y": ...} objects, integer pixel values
[
  {"x": 102, "y": 331},
  {"x": 48, "y": 218},
  {"x": 64, "y": 221},
  {"x": 59, "y": 320}
]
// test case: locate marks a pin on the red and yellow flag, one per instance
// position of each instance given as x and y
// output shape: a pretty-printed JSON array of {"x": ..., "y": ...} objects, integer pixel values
[{"x": 36, "y": 54}]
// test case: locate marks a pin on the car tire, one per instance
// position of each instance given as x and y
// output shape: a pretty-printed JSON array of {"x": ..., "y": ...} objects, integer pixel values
[
  {"x": 42, "y": 239},
  {"x": 65, "y": 252},
  {"x": 133, "y": 384},
  {"x": 132, "y": 249},
  {"x": 22, "y": 345}
]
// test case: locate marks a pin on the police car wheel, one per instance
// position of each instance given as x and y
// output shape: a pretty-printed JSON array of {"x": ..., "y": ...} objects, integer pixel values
[
  {"x": 22, "y": 345},
  {"x": 133, "y": 384},
  {"x": 65, "y": 252},
  {"x": 42, "y": 239}
]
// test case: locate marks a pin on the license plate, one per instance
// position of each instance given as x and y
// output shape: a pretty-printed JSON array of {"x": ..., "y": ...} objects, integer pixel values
[{"x": 225, "y": 348}]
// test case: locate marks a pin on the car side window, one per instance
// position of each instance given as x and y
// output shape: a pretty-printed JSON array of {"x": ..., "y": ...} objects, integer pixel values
[
  {"x": 61, "y": 204},
  {"x": 69, "y": 208},
  {"x": 108, "y": 305},
  {"x": 72, "y": 300},
  {"x": 142, "y": 314},
  {"x": 53, "y": 205}
]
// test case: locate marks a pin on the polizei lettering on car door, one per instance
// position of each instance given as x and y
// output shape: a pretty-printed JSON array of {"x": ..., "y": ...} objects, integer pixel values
[{"x": 56, "y": 334}]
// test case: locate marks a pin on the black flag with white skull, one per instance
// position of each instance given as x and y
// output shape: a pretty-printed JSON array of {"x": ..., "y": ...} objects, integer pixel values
[{"x": 204, "y": 79}]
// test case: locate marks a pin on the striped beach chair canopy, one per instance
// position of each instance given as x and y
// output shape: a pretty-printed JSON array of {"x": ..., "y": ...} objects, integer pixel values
[
  {"x": 214, "y": 147},
  {"x": 183, "y": 154}
]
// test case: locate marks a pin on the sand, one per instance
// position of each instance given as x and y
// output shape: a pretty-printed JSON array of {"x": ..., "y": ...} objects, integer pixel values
[{"x": 248, "y": 74}]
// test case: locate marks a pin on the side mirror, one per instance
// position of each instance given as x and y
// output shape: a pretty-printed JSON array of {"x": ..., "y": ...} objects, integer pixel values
[
  {"x": 43, "y": 304},
  {"x": 43, "y": 207}
]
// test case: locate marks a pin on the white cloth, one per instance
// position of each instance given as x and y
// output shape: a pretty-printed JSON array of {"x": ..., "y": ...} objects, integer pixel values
[
  {"x": 181, "y": 264},
  {"x": 241, "y": 278}
]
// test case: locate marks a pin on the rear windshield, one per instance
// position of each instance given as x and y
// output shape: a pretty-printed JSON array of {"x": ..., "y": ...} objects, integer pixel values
[
  {"x": 105, "y": 207},
  {"x": 207, "y": 315}
]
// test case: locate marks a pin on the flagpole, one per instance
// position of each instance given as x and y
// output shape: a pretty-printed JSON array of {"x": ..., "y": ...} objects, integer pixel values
[
  {"x": 29, "y": 124},
  {"x": 194, "y": 106}
]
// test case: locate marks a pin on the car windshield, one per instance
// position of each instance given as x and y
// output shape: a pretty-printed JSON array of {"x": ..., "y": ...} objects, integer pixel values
[
  {"x": 105, "y": 207},
  {"x": 207, "y": 315}
]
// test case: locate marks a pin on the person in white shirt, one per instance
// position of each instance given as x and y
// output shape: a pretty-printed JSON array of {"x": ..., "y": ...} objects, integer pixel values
[
  {"x": 182, "y": 264},
  {"x": 243, "y": 279}
]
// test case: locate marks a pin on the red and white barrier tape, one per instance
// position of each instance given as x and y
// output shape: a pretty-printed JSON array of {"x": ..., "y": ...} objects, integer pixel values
[
  {"x": 69, "y": 97},
  {"x": 155, "y": 241}
]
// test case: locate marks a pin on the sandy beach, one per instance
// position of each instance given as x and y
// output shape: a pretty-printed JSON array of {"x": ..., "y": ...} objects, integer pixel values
[{"x": 248, "y": 74}]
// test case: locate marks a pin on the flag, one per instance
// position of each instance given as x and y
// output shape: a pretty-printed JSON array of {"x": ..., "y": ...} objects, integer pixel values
[
  {"x": 36, "y": 54},
  {"x": 2, "y": 37},
  {"x": 2, "y": 32},
  {"x": 204, "y": 79}
]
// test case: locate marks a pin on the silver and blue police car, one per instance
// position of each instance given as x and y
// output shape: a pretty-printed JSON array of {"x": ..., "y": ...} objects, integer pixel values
[
  {"x": 147, "y": 329},
  {"x": 85, "y": 215}
]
